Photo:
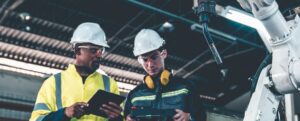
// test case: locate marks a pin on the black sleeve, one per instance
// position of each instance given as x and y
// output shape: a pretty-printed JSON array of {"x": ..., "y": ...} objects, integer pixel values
[
  {"x": 195, "y": 106},
  {"x": 59, "y": 115},
  {"x": 128, "y": 105}
]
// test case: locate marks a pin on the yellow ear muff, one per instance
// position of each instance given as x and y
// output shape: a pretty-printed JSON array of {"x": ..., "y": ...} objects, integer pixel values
[
  {"x": 149, "y": 82},
  {"x": 164, "y": 79}
]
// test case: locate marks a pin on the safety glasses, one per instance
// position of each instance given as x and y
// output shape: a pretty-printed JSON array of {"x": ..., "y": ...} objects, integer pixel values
[
  {"x": 93, "y": 49},
  {"x": 153, "y": 56}
]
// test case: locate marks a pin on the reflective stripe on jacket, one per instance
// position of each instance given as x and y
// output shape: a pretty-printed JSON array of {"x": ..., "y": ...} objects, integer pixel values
[
  {"x": 177, "y": 94},
  {"x": 66, "y": 88}
]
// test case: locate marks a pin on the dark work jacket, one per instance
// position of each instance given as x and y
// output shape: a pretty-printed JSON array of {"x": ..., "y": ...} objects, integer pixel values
[{"x": 177, "y": 94}]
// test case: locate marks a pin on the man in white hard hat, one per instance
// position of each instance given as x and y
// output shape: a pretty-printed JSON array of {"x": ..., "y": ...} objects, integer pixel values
[
  {"x": 64, "y": 96},
  {"x": 161, "y": 91}
]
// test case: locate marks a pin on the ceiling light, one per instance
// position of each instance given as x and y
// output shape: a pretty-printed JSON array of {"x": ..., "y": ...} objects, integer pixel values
[
  {"x": 166, "y": 27},
  {"x": 25, "y": 16},
  {"x": 42, "y": 71},
  {"x": 27, "y": 66},
  {"x": 220, "y": 94}
]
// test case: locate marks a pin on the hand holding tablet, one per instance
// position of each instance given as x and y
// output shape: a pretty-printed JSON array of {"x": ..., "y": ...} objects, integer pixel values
[{"x": 102, "y": 98}]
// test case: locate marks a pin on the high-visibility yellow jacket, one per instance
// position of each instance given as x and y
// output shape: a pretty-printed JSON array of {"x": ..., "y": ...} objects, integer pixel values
[{"x": 66, "y": 88}]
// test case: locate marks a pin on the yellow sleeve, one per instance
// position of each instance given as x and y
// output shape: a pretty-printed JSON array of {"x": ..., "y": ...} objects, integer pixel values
[{"x": 45, "y": 101}]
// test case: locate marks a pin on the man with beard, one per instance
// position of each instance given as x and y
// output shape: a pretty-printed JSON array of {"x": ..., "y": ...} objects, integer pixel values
[
  {"x": 164, "y": 96},
  {"x": 63, "y": 96}
]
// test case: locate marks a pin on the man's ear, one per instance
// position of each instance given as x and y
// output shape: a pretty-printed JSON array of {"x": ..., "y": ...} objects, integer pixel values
[{"x": 164, "y": 53}]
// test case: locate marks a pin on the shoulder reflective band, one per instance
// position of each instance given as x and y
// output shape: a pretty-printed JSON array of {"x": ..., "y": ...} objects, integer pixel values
[
  {"x": 58, "y": 90},
  {"x": 164, "y": 95},
  {"x": 106, "y": 83},
  {"x": 40, "y": 106}
]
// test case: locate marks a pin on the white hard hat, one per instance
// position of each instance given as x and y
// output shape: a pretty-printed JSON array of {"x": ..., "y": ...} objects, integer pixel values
[
  {"x": 89, "y": 33},
  {"x": 146, "y": 41}
]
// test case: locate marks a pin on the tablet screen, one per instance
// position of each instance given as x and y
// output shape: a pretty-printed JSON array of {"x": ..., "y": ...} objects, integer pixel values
[{"x": 102, "y": 97}]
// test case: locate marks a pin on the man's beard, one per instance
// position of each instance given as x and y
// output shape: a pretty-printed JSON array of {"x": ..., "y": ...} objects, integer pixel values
[{"x": 95, "y": 65}]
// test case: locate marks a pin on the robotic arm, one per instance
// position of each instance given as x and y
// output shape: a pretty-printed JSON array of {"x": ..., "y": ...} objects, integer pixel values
[{"x": 283, "y": 75}]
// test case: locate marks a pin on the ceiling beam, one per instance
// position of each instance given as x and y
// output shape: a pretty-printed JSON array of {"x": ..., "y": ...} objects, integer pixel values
[
  {"x": 9, "y": 9},
  {"x": 212, "y": 61},
  {"x": 215, "y": 33},
  {"x": 40, "y": 55}
]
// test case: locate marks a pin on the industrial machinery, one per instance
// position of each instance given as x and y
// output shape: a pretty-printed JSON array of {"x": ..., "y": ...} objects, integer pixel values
[{"x": 282, "y": 76}]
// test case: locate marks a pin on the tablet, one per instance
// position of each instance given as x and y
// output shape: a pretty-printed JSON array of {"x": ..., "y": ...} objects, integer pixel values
[
  {"x": 151, "y": 114},
  {"x": 102, "y": 97}
]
